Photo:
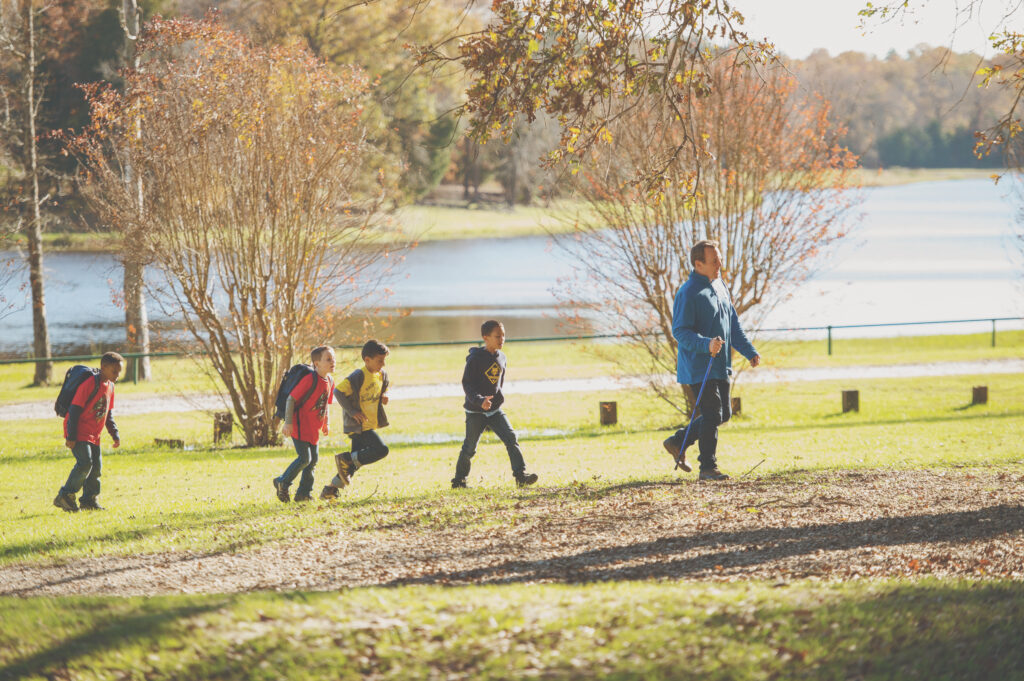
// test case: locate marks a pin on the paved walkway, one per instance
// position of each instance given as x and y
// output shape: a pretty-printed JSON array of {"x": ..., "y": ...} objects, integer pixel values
[{"x": 172, "y": 402}]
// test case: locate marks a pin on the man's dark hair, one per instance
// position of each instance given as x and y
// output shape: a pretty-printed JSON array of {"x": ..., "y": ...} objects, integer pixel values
[
  {"x": 318, "y": 352},
  {"x": 489, "y": 326},
  {"x": 697, "y": 252},
  {"x": 111, "y": 358},
  {"x": 373, "y": 348}
]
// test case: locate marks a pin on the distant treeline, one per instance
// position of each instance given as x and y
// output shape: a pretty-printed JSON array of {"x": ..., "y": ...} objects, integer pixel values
[{"x": 920, "y": 110}]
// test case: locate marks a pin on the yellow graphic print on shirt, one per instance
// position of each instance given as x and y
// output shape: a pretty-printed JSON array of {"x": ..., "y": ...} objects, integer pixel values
[
  {"x": 493, "y": 373},
  {"x": 369, "y": 396}
]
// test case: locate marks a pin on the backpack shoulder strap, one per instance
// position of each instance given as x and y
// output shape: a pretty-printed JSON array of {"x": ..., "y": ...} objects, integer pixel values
[
  {"x": 95, "y": 388},
  {"x": 312, "y": 389}
]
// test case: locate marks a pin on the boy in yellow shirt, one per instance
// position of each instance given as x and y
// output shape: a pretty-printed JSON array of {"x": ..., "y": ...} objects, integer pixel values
[{"x": 362, "y": 396}]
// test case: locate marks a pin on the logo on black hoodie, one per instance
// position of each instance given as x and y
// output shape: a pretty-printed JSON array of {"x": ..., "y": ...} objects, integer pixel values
[{"x": 493, "y": 373}]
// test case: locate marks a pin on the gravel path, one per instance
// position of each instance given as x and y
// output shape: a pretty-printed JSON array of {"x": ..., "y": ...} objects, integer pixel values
[
  {"x": 837, "y": 526},
  {"x": 172, "y": 402}
]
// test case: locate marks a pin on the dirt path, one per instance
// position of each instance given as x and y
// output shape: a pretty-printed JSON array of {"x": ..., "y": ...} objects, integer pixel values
[
  {"x": 172, "y": 402},
  {"x": 837, "y": 525}
]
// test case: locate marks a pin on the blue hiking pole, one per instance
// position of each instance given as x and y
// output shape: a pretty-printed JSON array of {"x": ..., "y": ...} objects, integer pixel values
[{"x": 686, "y": 436}]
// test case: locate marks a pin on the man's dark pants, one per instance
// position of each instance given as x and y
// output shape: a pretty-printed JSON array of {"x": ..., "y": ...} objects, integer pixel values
[
  {"x": 476, "y": 424},
  {"x": 715, "y": 410}
]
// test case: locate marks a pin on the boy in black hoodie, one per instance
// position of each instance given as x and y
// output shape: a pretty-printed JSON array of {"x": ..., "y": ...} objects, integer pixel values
[{"x": 482, "y": 380}]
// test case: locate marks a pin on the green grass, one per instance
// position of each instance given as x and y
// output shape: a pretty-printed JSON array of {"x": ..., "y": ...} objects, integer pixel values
[
  {"x": 216, "y": 499},
  {"x": 213, "y": 499},
  {"x": 555, "y": 359},
  {"x": 866, "y": 630}
]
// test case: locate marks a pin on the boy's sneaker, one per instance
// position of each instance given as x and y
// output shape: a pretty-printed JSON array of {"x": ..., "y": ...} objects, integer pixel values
[
  {"x": 459, "y": 483},
  {"x": 329, "y": 492},
  {"x": 89, "y": 504},
  {"x": 66, "y": 502},
  {"x": 302, "y": 497},
  {"x": 525, "y": 479},
  {"x": 712, "y": 474},
  {"x": 680, "y": 456},
  {"x": 345, "y": 466},
  {"x": 282, "y": 491}
]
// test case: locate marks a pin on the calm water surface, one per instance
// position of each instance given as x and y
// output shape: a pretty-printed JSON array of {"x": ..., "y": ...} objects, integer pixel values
[{"x": 928, "y": 251}]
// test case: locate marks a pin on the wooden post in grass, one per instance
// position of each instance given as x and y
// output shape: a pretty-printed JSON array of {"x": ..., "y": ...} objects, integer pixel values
[
  {"x": 223, "y": 422},
  {"x": 979, "y": 394},
  {"x": 851, "y": 400},
  {"x": 737, "y": 405},
  {"x": 609, "y": 412}
]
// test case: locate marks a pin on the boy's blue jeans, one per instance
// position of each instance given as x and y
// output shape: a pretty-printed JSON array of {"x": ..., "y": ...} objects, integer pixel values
[
  {"x": 85, "y": 475},
  {"x": 304, "y": 463},
  {"x": 476, "y": 424},
  {"x": 715, "y": 409}
]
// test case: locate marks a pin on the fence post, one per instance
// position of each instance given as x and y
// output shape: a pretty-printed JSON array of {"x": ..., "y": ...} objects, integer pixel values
[
  {"x": 829, "y": 340},
  {"x": 993, "y": 333},
  {"x": 135, "y": 371}
]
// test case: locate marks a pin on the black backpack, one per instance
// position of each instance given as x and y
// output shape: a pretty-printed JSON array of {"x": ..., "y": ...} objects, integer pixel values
[
  {"x": 75, "y": 377},
  {"x": 288, "y": 383}
]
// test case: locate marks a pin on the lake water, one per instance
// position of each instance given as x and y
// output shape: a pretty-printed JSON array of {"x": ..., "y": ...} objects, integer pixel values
[{"x": 921, "y": 252}]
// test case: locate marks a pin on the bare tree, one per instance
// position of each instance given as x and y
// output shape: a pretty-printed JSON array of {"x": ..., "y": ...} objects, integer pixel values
[
  {"x": 248, "y": 159},
  {"x": 23, "y": 96},
  {"x": 772, "y": 189}
]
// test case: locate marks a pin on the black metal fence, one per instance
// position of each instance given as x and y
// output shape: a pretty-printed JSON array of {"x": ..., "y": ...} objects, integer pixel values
[{"x": 134, "y": 364}]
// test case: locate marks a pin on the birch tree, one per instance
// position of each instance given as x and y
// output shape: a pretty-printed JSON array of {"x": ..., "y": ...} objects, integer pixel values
[{"x": 22, "y": 91}]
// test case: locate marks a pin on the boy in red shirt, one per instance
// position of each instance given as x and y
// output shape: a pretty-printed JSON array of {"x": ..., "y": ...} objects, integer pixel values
[
  {"x": 306, "y": 416},
  {"x": 91, "y": 408}
]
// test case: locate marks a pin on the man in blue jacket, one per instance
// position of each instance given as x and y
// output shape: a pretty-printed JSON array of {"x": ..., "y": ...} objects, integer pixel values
[{"x": 704, "y": 322}]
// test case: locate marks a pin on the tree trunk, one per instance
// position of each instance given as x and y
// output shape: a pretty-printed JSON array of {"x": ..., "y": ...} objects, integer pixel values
[
  {"x": 40, "y": 332},
  {"x": 136, "y": 320}
]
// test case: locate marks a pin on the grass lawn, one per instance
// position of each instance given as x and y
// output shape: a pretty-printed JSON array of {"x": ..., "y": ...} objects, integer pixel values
[
  {"x": 865, "y": 630},
  {"x": 210, "y": 498},
  {"x": 216, "y": 499}
]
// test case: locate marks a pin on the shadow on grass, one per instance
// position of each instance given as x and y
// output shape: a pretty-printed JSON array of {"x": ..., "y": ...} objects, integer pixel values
[
  {"x": 170, "y": 524},
  {"x": 738, "y": 551},
  {"x": 112, "y": 632}
]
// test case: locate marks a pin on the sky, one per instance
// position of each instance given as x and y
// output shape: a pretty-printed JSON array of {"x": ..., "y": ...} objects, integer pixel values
[{"x": 797, "y": 27}]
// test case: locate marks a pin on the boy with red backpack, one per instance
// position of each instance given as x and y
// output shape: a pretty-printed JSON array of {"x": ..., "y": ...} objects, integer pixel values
[
  {"x": 306, "y": 416},
  {"x": 91, "y": 407}
]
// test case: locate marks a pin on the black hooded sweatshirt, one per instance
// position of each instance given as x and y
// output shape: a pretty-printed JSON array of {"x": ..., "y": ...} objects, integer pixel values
[{"x": 483, "y": 377}]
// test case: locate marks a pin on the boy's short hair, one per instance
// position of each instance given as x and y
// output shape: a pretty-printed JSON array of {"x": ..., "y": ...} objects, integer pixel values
[
  {"x": 374, "y": 348},
  {"x": 489, "y": 326},
  {"x": 318, "y": 352},
  {"x": 697, "y": 252},
  {"x": 111, "y": 358}
]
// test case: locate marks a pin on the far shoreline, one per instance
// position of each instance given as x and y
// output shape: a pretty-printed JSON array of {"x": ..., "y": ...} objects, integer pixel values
[{"x": 427, "y": 223}]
